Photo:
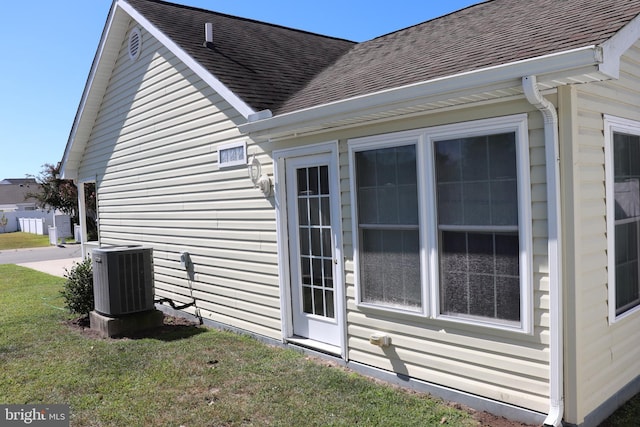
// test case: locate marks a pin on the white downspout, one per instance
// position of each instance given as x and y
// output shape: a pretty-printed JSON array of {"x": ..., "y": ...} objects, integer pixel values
[{"x": 556, "y": 358}]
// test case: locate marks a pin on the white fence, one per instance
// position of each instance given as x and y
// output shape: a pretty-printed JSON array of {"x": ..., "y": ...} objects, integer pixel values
[
  {"x": 36, "y": 222},
  {"x": 13, "y": 221},
  {"x": 32, "y": 225}
]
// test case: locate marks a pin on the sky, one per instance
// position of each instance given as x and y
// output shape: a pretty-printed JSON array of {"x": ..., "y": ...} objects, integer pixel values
[{"x": 47, "y": 48}]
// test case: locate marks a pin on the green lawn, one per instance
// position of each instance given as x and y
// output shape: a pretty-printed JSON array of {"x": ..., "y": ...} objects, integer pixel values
[
  {"x": 22, "y": 240},
  {"x": 182, "y": 374}
]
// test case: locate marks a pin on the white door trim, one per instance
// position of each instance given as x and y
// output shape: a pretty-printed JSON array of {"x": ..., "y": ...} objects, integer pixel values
[{"x": 279, "y": 158}]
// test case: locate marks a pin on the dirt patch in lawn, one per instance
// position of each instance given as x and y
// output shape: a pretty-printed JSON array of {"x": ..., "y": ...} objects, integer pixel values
[{"x": 172, "y": 328}]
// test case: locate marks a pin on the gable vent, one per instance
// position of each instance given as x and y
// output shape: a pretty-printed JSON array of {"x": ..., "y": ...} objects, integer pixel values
[{"x": 135, "y": 44}]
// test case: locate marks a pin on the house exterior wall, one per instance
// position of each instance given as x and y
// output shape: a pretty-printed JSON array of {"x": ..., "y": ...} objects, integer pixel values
[
  {"x": 506, "y": 366},
  {"x": 153, "y": 155},
  {"x": 603, "y": 357}
]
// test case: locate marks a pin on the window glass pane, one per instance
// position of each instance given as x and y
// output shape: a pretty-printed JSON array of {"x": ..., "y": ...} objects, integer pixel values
[
  {"x": 477, "y": 191},
  {"x": 476, "y": 203},
  {"x": 450, "y": 205},
  {"x": 368, "y": 206},
  {"x": 389, "y": 254},
  {"x": 482, "y": 295},
  {"x": 507, "y": 255},
  {"x": 391, "y": 268},
  {"x": 507, "y": 293},
  {"x": 406, "y": 165},
  {"x": 408, "y": 204},
  {"x": 504, "y": 206},
  {"x": 626, "y": 160},
  {"x": 386, "y": 167},
  {"x": 366, "y": 170},
  {"x": 448, "y": 161},
  {"x": 475, "y": 159},
  {"x": 388, "y": 210},
  {"x": 502, "y": 155},
  {"x": 477, "y": 181},
  {"x": 479, "y": 274},
  {"x": 481, "y": 253}
]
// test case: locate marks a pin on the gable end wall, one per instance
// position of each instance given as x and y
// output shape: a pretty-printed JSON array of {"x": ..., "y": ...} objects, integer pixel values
[{"x": 153, "y": 154}]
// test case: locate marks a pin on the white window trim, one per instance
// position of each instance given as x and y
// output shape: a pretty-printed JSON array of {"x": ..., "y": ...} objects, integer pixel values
[
  {"x": 614, "y": 124},
  {"x": 424, "y": 139},
  {"x": 387, "y": 141},
  {"x": 231, "y": 146}
]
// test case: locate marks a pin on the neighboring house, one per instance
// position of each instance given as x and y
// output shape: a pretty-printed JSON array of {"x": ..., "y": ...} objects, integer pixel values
[
  {"x": 14, "y": 194},
  {"x": 455, "y": 206}
]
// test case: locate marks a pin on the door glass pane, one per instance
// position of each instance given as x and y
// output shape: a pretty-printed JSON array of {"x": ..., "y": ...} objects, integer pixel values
[{"x": 314, "y": 233}]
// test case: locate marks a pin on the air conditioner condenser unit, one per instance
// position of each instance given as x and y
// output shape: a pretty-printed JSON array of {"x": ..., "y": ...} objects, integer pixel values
[{"x": 123, "y": 280}]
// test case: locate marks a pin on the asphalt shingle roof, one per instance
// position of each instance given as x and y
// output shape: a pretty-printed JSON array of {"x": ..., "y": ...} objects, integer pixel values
[
  {"x": 285, "y": 70},
  {"x": 263, "y": 64}
]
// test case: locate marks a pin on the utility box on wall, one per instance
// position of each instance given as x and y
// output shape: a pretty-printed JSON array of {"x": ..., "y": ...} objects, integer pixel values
[{"x": 123, "y": 280}]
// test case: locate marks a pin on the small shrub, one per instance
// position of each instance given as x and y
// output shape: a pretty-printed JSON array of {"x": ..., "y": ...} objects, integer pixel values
[{"x": 78, "y": 289}]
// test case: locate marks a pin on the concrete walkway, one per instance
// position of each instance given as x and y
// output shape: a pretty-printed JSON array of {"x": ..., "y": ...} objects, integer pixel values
[
  {"x": 51, "y": 260},
  {"x": 56, "y": 267}
]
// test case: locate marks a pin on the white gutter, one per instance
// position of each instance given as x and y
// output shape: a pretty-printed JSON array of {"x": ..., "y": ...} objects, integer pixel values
[
  {"x": 556, "y": 358},
  {"x": 575, "y": 59}
]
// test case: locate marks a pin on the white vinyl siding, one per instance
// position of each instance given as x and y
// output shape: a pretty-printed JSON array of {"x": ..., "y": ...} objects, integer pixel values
[
  {"x": 153, "y": 153},
  {"x": 607, "y": 355}
]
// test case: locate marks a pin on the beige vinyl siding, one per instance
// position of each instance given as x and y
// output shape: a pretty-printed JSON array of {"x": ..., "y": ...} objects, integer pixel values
[
  {"x": 505, "y": 366},
  {"x": 153, "y": 153},
  {"x": 607, "y": 355}
]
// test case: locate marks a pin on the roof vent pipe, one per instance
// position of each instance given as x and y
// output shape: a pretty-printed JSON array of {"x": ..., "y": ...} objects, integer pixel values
[{"x": 208, "y": 35}]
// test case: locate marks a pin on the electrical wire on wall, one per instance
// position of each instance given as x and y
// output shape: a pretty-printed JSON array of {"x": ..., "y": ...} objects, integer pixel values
[{"x": 187, "y": 264}]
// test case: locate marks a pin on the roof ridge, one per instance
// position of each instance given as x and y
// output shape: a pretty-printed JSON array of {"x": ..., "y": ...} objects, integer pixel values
[
  {"x": 241, "y": 18},
  {"x": 479, "y": 2}
]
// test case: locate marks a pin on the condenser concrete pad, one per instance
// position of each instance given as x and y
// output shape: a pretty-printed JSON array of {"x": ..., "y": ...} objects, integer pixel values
[{"x": 127, "y": 324}]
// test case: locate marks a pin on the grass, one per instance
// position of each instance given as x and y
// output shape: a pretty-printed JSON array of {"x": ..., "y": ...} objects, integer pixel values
[
  {"x": 21, "y": 240},
  {"x": 186, "y": 375}
]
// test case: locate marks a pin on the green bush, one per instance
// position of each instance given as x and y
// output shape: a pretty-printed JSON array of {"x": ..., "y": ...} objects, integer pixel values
[{"x": 78, "y": 289}]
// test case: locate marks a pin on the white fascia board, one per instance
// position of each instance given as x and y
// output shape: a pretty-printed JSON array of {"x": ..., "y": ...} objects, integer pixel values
[
  {"x": 107, "y": 52},
  {"x": 589, "y": 56},
  {"x": 616, "y": 46},
  {"x": 200, "y": 71}
]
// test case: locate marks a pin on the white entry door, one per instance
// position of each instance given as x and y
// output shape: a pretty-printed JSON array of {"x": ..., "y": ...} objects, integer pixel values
[{"x": 315, "y": 271}]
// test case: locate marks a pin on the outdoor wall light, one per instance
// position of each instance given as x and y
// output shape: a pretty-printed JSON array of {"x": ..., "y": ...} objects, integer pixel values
[{"x": 260, "y": 180}]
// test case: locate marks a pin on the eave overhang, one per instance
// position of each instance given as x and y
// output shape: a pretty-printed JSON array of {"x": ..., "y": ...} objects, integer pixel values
[{"x": 581, "y": 65}]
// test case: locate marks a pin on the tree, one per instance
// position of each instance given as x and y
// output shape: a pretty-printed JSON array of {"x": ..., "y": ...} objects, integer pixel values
[
  {"x": 56, "y": 193},
  {"x": 3, "y": 223},
  {"x": 62, "y": 195}
]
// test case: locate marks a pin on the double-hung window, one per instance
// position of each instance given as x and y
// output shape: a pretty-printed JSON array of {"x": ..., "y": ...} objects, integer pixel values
[
  {"x": 622, "y": 151},
  {"x": 442, "y": 221}
]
